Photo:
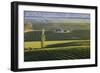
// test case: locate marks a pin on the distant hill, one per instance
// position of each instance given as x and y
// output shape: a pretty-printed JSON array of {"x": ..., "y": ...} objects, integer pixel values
[{"x": 72, "y": 24}]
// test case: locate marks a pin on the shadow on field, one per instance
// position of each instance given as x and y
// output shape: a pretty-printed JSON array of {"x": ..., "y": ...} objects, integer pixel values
[{"x": 81, "y": 43}]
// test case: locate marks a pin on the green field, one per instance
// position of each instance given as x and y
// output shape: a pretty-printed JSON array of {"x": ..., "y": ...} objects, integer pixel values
[
  {"x": 57, "y": 50},
  {"x": 53, "y": 36},
  {"x": 37, "y": 44}
]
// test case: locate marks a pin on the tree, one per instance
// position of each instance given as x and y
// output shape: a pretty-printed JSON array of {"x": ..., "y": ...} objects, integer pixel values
[{"x": 42, "y": 38}]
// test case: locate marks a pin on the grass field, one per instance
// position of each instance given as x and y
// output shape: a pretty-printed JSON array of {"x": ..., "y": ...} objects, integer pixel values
[
  {"x": 57, "y": 50},
  {"x": 52, "y": 36},
  {"x": 37, "y": 44}
]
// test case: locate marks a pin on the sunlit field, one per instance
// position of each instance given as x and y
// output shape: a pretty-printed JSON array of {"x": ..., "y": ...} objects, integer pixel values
[{"x": 37, "y": 44}]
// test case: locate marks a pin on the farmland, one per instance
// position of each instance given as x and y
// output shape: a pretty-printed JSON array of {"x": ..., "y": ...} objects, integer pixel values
[
  {"x": 37, "y": 44},
  {"x": 57, "y": 50},
  {"x": 56, "y": 36},
  {"x": 52, "y": 36},
  {"x": 57, "y": 46},
  {"x": 58, "y": 54}
]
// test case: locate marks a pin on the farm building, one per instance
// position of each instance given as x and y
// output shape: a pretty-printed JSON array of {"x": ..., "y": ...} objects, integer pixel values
[{"x": 62, "y": 31}]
